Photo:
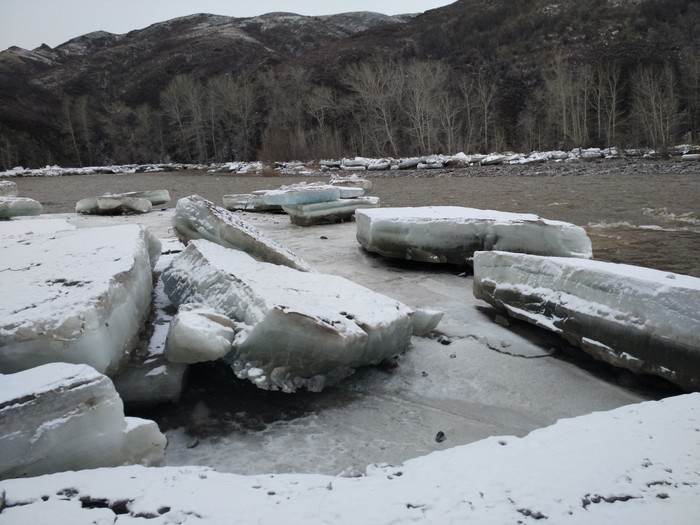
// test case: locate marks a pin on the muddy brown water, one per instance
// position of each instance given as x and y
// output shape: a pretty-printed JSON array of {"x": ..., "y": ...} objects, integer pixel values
[{"x": 632, "y": 216}]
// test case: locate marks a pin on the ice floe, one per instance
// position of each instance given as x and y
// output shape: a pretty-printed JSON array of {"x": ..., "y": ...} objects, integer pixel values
[
  {"x": 297, "y": 329},
  {"x": 327, "y": 212},
  {"x": 450, "y": 234},
  {"x": 637, "y": 318},
  {"x": 61, "y": 416}
]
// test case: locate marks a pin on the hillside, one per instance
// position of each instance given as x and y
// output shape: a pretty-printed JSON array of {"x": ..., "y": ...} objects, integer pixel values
[{"x": 74, "y": 102}]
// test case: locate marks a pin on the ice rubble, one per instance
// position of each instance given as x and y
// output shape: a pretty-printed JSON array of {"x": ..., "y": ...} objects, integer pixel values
[
  {"x": 635, "y": 464},
  {"x": 75, "y": 296},
  {"x": 197, "y": 218},
  {"x": 61, "y": 416},
  {"x": 450, "y": 234},
  {"x": 641, "y": 319},
  {"x": 297, "y": 329},
  {"x": 198, "y": 334}
]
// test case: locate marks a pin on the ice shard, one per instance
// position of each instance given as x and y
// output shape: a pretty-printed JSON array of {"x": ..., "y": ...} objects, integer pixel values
[
  {"x": 641, "y": 319},
  {"x": 76, "y": 296},
  {"x": 197, "y": 218},
  {"x": 450, "y": 234},
  {"x": 294, "y": 329},
  {"x": 198, "y": 334},
  {"x": 60, "y": 416}
]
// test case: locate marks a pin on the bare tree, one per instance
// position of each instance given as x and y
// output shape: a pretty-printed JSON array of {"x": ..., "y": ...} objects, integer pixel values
[
  {"x": 377, "y": 85},
  {"x": 655, "y": 104},
  {"x": 424, "y": 91},
  {"x": 478, "y": 91},
  {"x": 606, "y": 100},
  {"x": 183, "y": 102}
]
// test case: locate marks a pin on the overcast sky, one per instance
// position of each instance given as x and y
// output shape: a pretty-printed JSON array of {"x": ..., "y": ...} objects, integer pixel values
[{"x": 29, "y": 23}]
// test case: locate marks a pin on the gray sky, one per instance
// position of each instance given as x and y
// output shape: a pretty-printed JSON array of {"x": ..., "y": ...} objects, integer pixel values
[{"x": 29, "y": 23}]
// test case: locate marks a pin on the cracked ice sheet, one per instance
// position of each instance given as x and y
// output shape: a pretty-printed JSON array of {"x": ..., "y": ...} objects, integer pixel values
[{"x": 636, "y": 464}]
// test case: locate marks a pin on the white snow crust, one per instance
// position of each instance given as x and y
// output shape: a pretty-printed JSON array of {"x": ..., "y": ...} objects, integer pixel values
[
  {"x": 74, "y": 296},
  {"x": 301, "y": 329},
  {"x": 451, "y": 234},
  {"x": 636, "y": 464},
  {"x": 638, "y": 318}
]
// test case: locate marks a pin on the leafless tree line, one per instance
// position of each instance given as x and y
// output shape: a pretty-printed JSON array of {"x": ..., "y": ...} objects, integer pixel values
[{"x": 383, "y": 107}]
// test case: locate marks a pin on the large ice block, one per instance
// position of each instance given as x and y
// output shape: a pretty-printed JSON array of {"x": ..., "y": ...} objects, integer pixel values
[
  {"x": 18, "y": 207},
  {"x": 328, "y": 212},
  {"x": 8, "y": 188},
  {"x": 76, "y": 296},
  {"x": 198, "y": 334},
  {"x": 637, "y": 318},
  {"x": 451, "y": 234},
  {"x": 113, "y": 205},
  {"x": 60, "y": 416},
  {"x": 197, "y": 218},
  {"x": 297, "y": 329},
  {"x": 302, "y": 193}
]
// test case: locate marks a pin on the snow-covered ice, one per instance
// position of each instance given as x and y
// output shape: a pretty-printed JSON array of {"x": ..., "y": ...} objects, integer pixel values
[
  {"x": 331, "y": 211},
  {"x": 198, "y": 334},
  {"x": 451, "y": 234},
  {"x": 636, "y": 464},
  {"x": 77, "y": 296},
  {"x": 18, "y": 207},
  {"x": 61, "y": 416},
  {"x": 352, "y": 181},
  {"x": 197, "y": 218},
  {"x": 637, "y": 318},
  {"x": 302, "y": 193},
  {"x": 155, "y": 197},
  {"x": 299, "y": 329}
]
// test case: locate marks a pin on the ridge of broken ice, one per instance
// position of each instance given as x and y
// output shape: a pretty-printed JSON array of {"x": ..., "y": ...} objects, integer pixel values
[
  {"x": 451, "y": 234},
  {"x": 198, "y": 218},
  {"x": 637, "y": 318},
  {"x": 76, "y": 296},
  {"x": 298, "y": 329}
]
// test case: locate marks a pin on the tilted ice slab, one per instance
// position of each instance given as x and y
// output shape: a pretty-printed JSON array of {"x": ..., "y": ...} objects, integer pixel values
[
  {"x": 197, "y": 218},
  {"x": 60, "y": 416},
  {"x": 636, "y": 464},
  {"x": 75, "y": 296},
  {"x": 299, "y": 329},
  {"x": 331, "y": 211},
  {"x": 302, "y": 193},
  {"x": 637, "y": 318},
  {"x": 18, "y": 207},
  {"x": 450, "y": 234}
]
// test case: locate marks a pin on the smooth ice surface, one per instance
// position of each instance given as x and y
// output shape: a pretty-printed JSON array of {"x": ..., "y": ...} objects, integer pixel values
[
  {"x": 302, "y": 193},
  {"x": 300, "y": 329},
  {"x": 61, "y": 416},
  {"x": 197, "y": 218},
  {"x": 637, "y": 318},
  {"x": 18, "y": 207},
  {"x": 198, "y": 334},
  {"x": 75, "y": 296},
  {"x": 451, "y": 234},
  {"x": 637, "y": 464},
  {"x": 330, "y": 211}
]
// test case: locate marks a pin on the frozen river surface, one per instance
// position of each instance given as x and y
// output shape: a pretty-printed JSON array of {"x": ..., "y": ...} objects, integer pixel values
[{"x": 489, "y": 380}]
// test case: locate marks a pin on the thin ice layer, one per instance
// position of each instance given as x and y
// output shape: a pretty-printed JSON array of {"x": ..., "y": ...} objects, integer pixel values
[
  {"x": 299, "y": 329},
  {"x": 637, "y": 318},
  {"x": 198, "y": 218},
  {"x": 61, "y": 416},
  {"x": 74, "y": 296},
  {"x": 450, "y": 234}
]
